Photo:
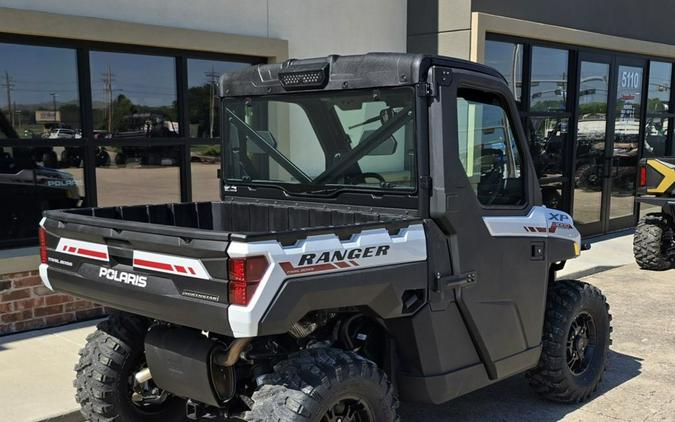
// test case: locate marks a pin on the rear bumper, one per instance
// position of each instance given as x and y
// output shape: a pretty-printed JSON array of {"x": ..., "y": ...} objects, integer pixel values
[{"x": 160, "y": 299}]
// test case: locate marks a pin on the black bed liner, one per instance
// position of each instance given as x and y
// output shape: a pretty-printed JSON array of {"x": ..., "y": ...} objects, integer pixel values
[{"x": 236, "y": 218}]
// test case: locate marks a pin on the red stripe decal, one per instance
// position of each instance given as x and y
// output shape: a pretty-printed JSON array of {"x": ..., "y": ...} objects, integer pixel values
[
  {"x": 71, "y": 249},
  {"x": 342, "y": 264},
  {"x": 541, "y": 229},
  {"x": 192, "y": 271},
  {"x": 552, "y": 229},
  {"x": 181, "y": 269},
  {"x": 93, "y": 254},
  {"x": 153, "y": 264},
  {"x": 65, "y": 247},
  {"x": 354, "y": 263}
]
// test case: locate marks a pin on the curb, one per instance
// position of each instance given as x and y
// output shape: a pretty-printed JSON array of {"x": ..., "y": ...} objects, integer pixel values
[{"x": 590, "y": 271}]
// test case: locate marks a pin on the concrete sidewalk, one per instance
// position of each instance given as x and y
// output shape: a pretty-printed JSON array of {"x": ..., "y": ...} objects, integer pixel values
[
  {"x": 36, "y": 368},
  {"x": 36, "y": 372},
  {"x": 607, "y": 252}
]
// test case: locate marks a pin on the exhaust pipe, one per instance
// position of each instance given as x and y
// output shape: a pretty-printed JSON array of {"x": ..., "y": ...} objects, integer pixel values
[
  {"x": 143, "y": 376},
  {"x": 233, "y": 352},
  {"x": 223, "y": 359}
]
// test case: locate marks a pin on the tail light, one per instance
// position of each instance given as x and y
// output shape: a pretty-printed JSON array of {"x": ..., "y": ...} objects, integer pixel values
[
  {"x": 244, "y": 276},
  {"x": 643, "y": 176},
  {"x": 42, "y": 235}
]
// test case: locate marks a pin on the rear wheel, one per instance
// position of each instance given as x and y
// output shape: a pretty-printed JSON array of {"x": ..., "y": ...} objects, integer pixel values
[
  {"x": 653, "y": 237},
  {"x": 575, "y": 344},
  {"x": 105, "y": 386},
  {"x": 324, "y": 385}
]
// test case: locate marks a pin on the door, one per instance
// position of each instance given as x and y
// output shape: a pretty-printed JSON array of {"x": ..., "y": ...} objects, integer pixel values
[
  {"x": 483, "y": 181},
  {"x": 608, "y": 129}
]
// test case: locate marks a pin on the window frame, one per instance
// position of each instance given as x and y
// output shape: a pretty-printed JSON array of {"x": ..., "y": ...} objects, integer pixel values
[{"x": 88, "y": 142}]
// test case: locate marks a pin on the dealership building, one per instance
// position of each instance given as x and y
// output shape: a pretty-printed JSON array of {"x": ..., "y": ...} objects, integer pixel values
[{"x": 112, "y": 103}]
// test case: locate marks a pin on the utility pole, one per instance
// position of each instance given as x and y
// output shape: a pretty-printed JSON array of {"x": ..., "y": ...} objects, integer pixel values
[
  {"x": 212, "y": 75},
  {"x": 9, "y": 85},
  {"x": 107, "y": 80}
]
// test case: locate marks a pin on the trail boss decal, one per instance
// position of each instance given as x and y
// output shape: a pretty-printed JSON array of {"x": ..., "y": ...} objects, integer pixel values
[
  {"x": 123, "y": 277},
  {"x": 331, "y": 260}
]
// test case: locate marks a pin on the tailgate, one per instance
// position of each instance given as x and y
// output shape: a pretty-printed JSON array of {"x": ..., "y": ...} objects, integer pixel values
[{"x": 178, "y": 277}]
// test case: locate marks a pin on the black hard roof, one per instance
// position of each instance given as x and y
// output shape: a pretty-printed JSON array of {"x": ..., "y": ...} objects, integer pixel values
[{"x": 347, "y": 72}]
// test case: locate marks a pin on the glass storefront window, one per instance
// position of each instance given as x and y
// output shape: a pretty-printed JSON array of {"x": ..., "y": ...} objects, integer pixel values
[
  {"x": 35, "y": 179},
  {"x": 507, "y": 58},
  {"x": 39, "y": 98},
  {"x": 658, "y": 97},
  {"x": 548, "y": 136},
  {"x": 656, "y": 136},
  {"x": 204, "y": 164},
  {"x": 548, "y": 84},
  {"x": 133, "y": 95},
  {"x": 132, "y": 175},
  {"x": 202, "y": 95},
  {"x": 591, "y": 129}
]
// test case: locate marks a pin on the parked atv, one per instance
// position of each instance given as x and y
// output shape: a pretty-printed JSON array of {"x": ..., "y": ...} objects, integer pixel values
[{"x": 654, "y": 240}]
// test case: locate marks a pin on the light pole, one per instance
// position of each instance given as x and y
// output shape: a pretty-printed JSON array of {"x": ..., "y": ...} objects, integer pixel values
[{"x": 53, "y": 94}]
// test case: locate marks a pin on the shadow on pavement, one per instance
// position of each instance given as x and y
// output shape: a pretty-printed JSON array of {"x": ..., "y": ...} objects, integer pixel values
[{"x": 513, "y": 400}]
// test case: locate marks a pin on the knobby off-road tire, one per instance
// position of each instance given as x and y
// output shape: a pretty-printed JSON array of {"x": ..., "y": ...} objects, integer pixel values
[
  {"x": 105, "y": 370},
  {"x": 652, "y": 239},
  {"x": 324, "y": 385},
  {"x": 560, "y": 377}
]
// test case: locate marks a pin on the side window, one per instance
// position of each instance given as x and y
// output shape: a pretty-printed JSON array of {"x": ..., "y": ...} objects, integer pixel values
[{"x": 488, "y": 149}]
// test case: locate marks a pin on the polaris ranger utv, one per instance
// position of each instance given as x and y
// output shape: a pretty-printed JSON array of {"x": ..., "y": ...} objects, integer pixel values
[
  {"x": 380, "y": 235},
  {"x": 654, "y": 240}
]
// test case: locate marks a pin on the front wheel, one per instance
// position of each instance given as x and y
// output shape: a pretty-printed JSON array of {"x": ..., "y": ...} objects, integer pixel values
[
  {"x": 105, "y": 386},
  {"x": 575, "y": 344},
  {"x": 324, "y": 385}
]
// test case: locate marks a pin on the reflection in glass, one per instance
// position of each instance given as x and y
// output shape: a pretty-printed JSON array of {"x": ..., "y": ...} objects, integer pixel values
[
  {"x": 658, "y": 97},
  {"x": 134, "y": 181},
  {"x": 626, "y": 140},
  {"x": 202, "y": 95},
  {"x": 548, "y": 86},
  {"x": 548, "y": 136},
  {"x": 205, "y": 162},
  {"x": 133, "y": 95},
  {"x": 656, "y": 136},
  {"x": 34, "y": 179},
  {"x": 488, "y": 150},
  {"x": 591, "y": 129},
  {"x": 39, "y": 93},
  {"x": 507, "y": 58}
]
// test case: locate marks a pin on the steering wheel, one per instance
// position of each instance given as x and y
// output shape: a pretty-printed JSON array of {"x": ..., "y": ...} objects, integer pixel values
[{"x": 361, "y": 177}]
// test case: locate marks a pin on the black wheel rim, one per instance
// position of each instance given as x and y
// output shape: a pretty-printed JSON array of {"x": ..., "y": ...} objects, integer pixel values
[
  {"x": 581, "y": 343},
  {"x": 349, "y": 410}
]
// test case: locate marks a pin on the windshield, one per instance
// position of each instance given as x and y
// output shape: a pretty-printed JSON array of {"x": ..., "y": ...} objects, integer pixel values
[{"x": 322, "y": 142}]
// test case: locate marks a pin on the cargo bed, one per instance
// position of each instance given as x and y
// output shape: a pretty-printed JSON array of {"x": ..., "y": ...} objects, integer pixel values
[{"x": 161, "y": 260}]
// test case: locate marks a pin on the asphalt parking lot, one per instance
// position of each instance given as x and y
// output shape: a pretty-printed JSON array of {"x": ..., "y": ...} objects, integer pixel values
[{"x": 639, "y": 384}]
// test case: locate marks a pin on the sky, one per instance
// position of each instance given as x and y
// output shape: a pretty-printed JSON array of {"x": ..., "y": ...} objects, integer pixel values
[{"x": 35, "y": 72}]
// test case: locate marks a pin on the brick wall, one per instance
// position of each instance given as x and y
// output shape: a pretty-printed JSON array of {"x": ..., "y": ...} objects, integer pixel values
[{"x": 26, "y": 304}]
